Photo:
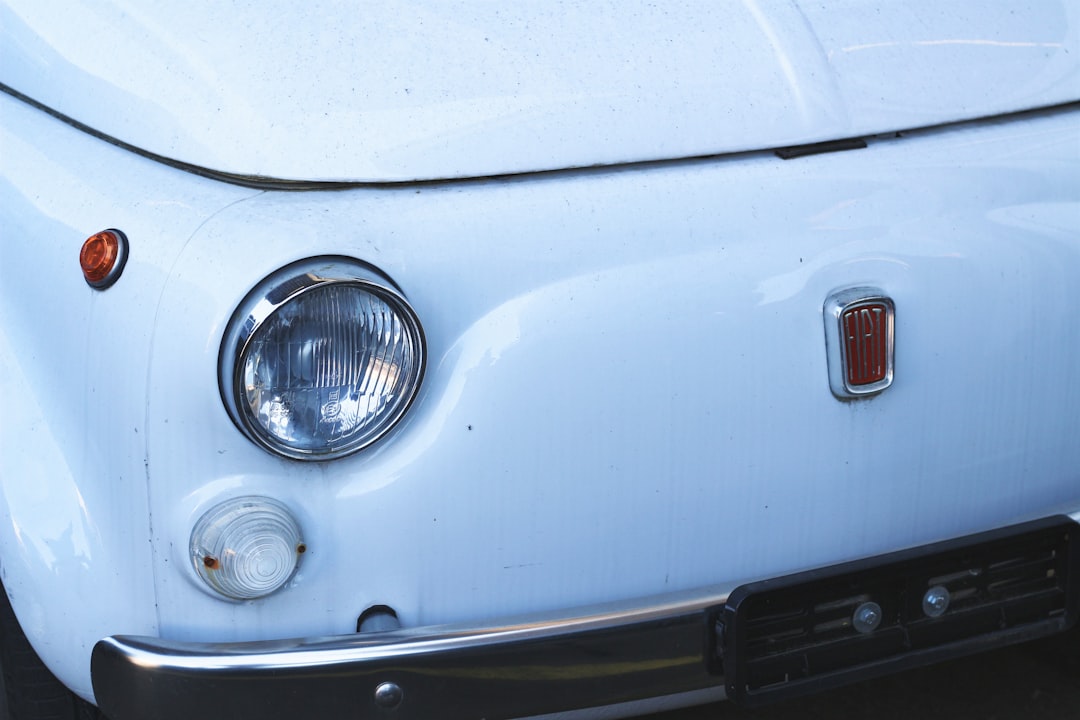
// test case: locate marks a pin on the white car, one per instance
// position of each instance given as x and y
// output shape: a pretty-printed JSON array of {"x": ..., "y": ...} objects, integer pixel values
[{"x": 497, "y": 360}]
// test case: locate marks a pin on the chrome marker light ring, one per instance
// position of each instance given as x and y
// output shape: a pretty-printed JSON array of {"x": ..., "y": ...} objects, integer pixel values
[{"x": 321, "y": 359}]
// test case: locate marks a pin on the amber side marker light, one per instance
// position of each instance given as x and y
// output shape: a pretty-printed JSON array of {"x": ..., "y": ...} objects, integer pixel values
[{"x": 103, "y": 257}]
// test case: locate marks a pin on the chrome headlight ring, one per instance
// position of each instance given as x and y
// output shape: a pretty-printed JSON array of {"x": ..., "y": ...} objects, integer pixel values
[{"x": 321, "y": 359}]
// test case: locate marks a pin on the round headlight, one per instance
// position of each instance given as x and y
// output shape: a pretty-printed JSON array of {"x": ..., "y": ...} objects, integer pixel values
[{"x": 321, "y": 359}]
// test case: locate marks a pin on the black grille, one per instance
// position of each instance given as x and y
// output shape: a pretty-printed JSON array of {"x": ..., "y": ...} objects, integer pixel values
[{"x": 783, "y": 637}]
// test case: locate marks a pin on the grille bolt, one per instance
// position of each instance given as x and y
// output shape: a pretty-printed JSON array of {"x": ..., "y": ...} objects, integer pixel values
[
  {"x": 389, "y": 695},
  {"x": 867, "y": 617},
  {"x": 936, "y": 601}
]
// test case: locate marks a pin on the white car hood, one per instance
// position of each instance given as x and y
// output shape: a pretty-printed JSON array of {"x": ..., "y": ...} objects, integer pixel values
[{"x": 397, "y": 91}]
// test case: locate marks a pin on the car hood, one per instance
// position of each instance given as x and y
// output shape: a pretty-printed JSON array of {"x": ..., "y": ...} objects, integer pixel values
[{"x": 397, "y": 91}]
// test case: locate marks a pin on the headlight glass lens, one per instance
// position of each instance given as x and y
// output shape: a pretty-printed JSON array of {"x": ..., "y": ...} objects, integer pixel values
[{"x": 330, "y": 369}]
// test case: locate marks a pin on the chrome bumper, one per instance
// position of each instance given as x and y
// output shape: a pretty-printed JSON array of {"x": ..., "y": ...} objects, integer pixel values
[{"x": 599, "y": 656}]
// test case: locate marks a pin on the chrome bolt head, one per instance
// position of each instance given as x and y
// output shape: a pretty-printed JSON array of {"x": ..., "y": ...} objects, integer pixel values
[
  {"x": 389, "y": 695},
  {"x": 936, "y": 601},
  {"x": 867, "y": 617}
]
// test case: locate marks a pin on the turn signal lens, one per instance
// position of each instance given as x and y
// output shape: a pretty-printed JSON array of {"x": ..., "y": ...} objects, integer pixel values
[
  {"x": 102, "y": 258},
  {"x": 247, "y": 547}
]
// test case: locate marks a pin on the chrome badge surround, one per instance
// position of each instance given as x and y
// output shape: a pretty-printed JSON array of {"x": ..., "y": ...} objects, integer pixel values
[{"x": 837, "y": 306}]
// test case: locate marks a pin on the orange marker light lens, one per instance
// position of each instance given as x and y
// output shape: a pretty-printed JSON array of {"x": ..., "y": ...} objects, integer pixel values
[{"x": 102, "y": 258}]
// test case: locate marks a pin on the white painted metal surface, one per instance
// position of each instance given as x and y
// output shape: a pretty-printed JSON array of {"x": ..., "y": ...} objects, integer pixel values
[{"x": 399, "y": 91}]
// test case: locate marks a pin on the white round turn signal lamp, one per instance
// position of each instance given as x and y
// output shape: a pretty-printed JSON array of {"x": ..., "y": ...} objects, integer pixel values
[{"x": 247, "y": 547}]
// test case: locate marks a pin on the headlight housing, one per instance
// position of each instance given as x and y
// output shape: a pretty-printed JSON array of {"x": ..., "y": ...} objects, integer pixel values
[{"x": 321, "y": 359}]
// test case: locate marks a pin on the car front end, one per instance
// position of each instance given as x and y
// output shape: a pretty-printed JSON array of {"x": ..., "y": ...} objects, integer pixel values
[{"x": 567, "y": 397}]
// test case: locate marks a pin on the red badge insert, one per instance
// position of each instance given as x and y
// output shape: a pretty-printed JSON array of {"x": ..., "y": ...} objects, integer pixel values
[{"x": 865, "y": 342}]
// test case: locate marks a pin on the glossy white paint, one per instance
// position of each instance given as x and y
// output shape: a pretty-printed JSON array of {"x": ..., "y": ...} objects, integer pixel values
[{"x": 400, "y": 91}]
